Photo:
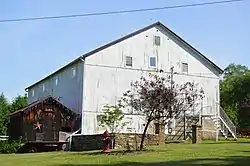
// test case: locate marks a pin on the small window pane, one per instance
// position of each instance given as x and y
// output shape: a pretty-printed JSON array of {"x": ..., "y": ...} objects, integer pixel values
[
  {"x": 184, "y": 67},
  {"x": 152, "y": 61},
  {"x": 73, "y": 72},
  {"x": 129, "y": 61},
  {"x": 33, "y": 93},
  {"x": 157, "y": 40},
  {"x": 56, "y": 81},
  {"x": 44, "y": 88}
]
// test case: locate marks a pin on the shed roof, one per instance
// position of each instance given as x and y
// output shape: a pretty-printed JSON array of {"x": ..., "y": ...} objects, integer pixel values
[
  {"x": 217, "y": 68},
  {"x": 43, "y": 100}
]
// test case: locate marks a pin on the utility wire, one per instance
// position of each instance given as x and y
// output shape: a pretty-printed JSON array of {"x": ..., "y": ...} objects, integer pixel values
[{"x": 119, "y": 12}]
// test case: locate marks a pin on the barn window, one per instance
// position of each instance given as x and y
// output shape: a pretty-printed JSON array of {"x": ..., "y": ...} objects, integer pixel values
[
  {"x": 56, "y": 81},
  {"x": 129, "y": 61},
  {"x": 43, "y": 87},
  {"x": 73, "y": 72},
  {"x": 157, "y": 40},
  {"x": 152, "y": 61},
  {"x": 184, "y": 68},
  {"x": 157, "y": 128}
]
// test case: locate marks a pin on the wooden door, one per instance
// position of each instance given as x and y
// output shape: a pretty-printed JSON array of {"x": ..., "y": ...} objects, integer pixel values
[{"x": 49, "y": 127}]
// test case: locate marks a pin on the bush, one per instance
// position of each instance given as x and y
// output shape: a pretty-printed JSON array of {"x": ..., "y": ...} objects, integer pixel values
[{"x": 10, "y": 146}]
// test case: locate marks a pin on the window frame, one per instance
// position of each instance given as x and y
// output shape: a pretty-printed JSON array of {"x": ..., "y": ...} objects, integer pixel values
[
  {"x": 43, "y": 87},
  {"x": 56, "y": 81},
  {"x": 182, "y": 67},
  {"x": 149, "y": 61},
  {"x": 155, "y": 41},
  {"x": 73, "y": 72},
  {"x": 126, "y": 64},
  {"x": 33, "y": 92}
]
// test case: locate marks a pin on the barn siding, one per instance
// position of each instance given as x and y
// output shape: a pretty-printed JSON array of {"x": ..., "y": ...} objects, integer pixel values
[
  {"x": 106, "y": 77},
  {"x": 68, "y": 89},
  {"x": 103, "y": 77},
  {"x": 15, "y": 128},
  {"x": 49, "y": 115}
]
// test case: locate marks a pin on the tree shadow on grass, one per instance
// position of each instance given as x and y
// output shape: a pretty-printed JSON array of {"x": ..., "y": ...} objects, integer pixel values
[
  {"x": 125, "y": 152},
  {"x": 228, "y": 142},
  {"x": 231, "y": 161},
  {"x": 119, "y": 152}
]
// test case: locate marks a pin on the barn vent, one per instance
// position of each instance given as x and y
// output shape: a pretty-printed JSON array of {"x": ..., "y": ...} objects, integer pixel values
[{"x": 129, "y": 61}]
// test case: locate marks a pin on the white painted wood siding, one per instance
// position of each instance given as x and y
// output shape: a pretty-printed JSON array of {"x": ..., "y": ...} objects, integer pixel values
[
  {"x": 106, "y": 77},
  {"x": 68, "y": 88}
]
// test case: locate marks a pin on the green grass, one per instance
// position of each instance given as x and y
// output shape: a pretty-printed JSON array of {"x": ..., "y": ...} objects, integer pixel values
[{"x": 208, "y": 153}]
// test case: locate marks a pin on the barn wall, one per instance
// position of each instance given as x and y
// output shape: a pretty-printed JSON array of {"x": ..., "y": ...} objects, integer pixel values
[
  {"x": 106, "y": 77},
  {"x": 15, "y": 129},
  {"x": 52, "y": 122},
  {"x": 62, "y": 85},
  {"x": 122, "y": 140}
]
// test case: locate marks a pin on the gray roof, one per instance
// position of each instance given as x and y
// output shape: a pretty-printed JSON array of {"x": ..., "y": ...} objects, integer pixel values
[{"x": 217, "y": 68}]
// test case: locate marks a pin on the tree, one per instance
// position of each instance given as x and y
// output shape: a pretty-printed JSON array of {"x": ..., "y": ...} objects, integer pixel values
[
  {"x": 160, "y": 99},
  {"x": 19, "y": 102},
  {"x": 235, "y": 93},
  {"x": 6, "y": 108},
  {"x": 4, "y": 111},
  {"x": 111, "y": 118},
  {"x": 233, "y": 69},
  {"x": 235, "y": 96}
]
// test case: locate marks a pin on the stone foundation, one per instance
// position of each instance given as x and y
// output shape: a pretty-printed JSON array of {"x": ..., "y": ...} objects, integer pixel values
[
  {"x": 209, "y": 128},
  {"x": 132, "y": 141},
  {"x": 208, "y": 135},
  {"x": 122, "y": 140}
]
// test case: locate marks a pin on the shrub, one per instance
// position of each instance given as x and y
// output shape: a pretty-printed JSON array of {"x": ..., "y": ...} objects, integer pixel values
[{"x": 10, "y": 146}]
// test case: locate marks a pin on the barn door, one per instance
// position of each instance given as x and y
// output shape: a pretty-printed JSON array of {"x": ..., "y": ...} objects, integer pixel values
[{"x": 49, "y": 127}]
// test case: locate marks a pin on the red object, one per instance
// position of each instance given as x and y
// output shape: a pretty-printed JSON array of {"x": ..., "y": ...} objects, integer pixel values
[{"x": 106, "y": 142}]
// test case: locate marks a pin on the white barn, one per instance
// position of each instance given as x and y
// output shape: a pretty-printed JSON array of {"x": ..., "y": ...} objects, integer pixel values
[{"x": 101, "y": 76}]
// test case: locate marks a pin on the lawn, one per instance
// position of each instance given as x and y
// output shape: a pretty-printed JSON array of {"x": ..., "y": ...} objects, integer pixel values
[{"x": 208, "y": 154}]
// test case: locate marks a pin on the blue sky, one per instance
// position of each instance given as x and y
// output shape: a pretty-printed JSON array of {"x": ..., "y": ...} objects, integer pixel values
[{"x": 31, "y": 50}]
